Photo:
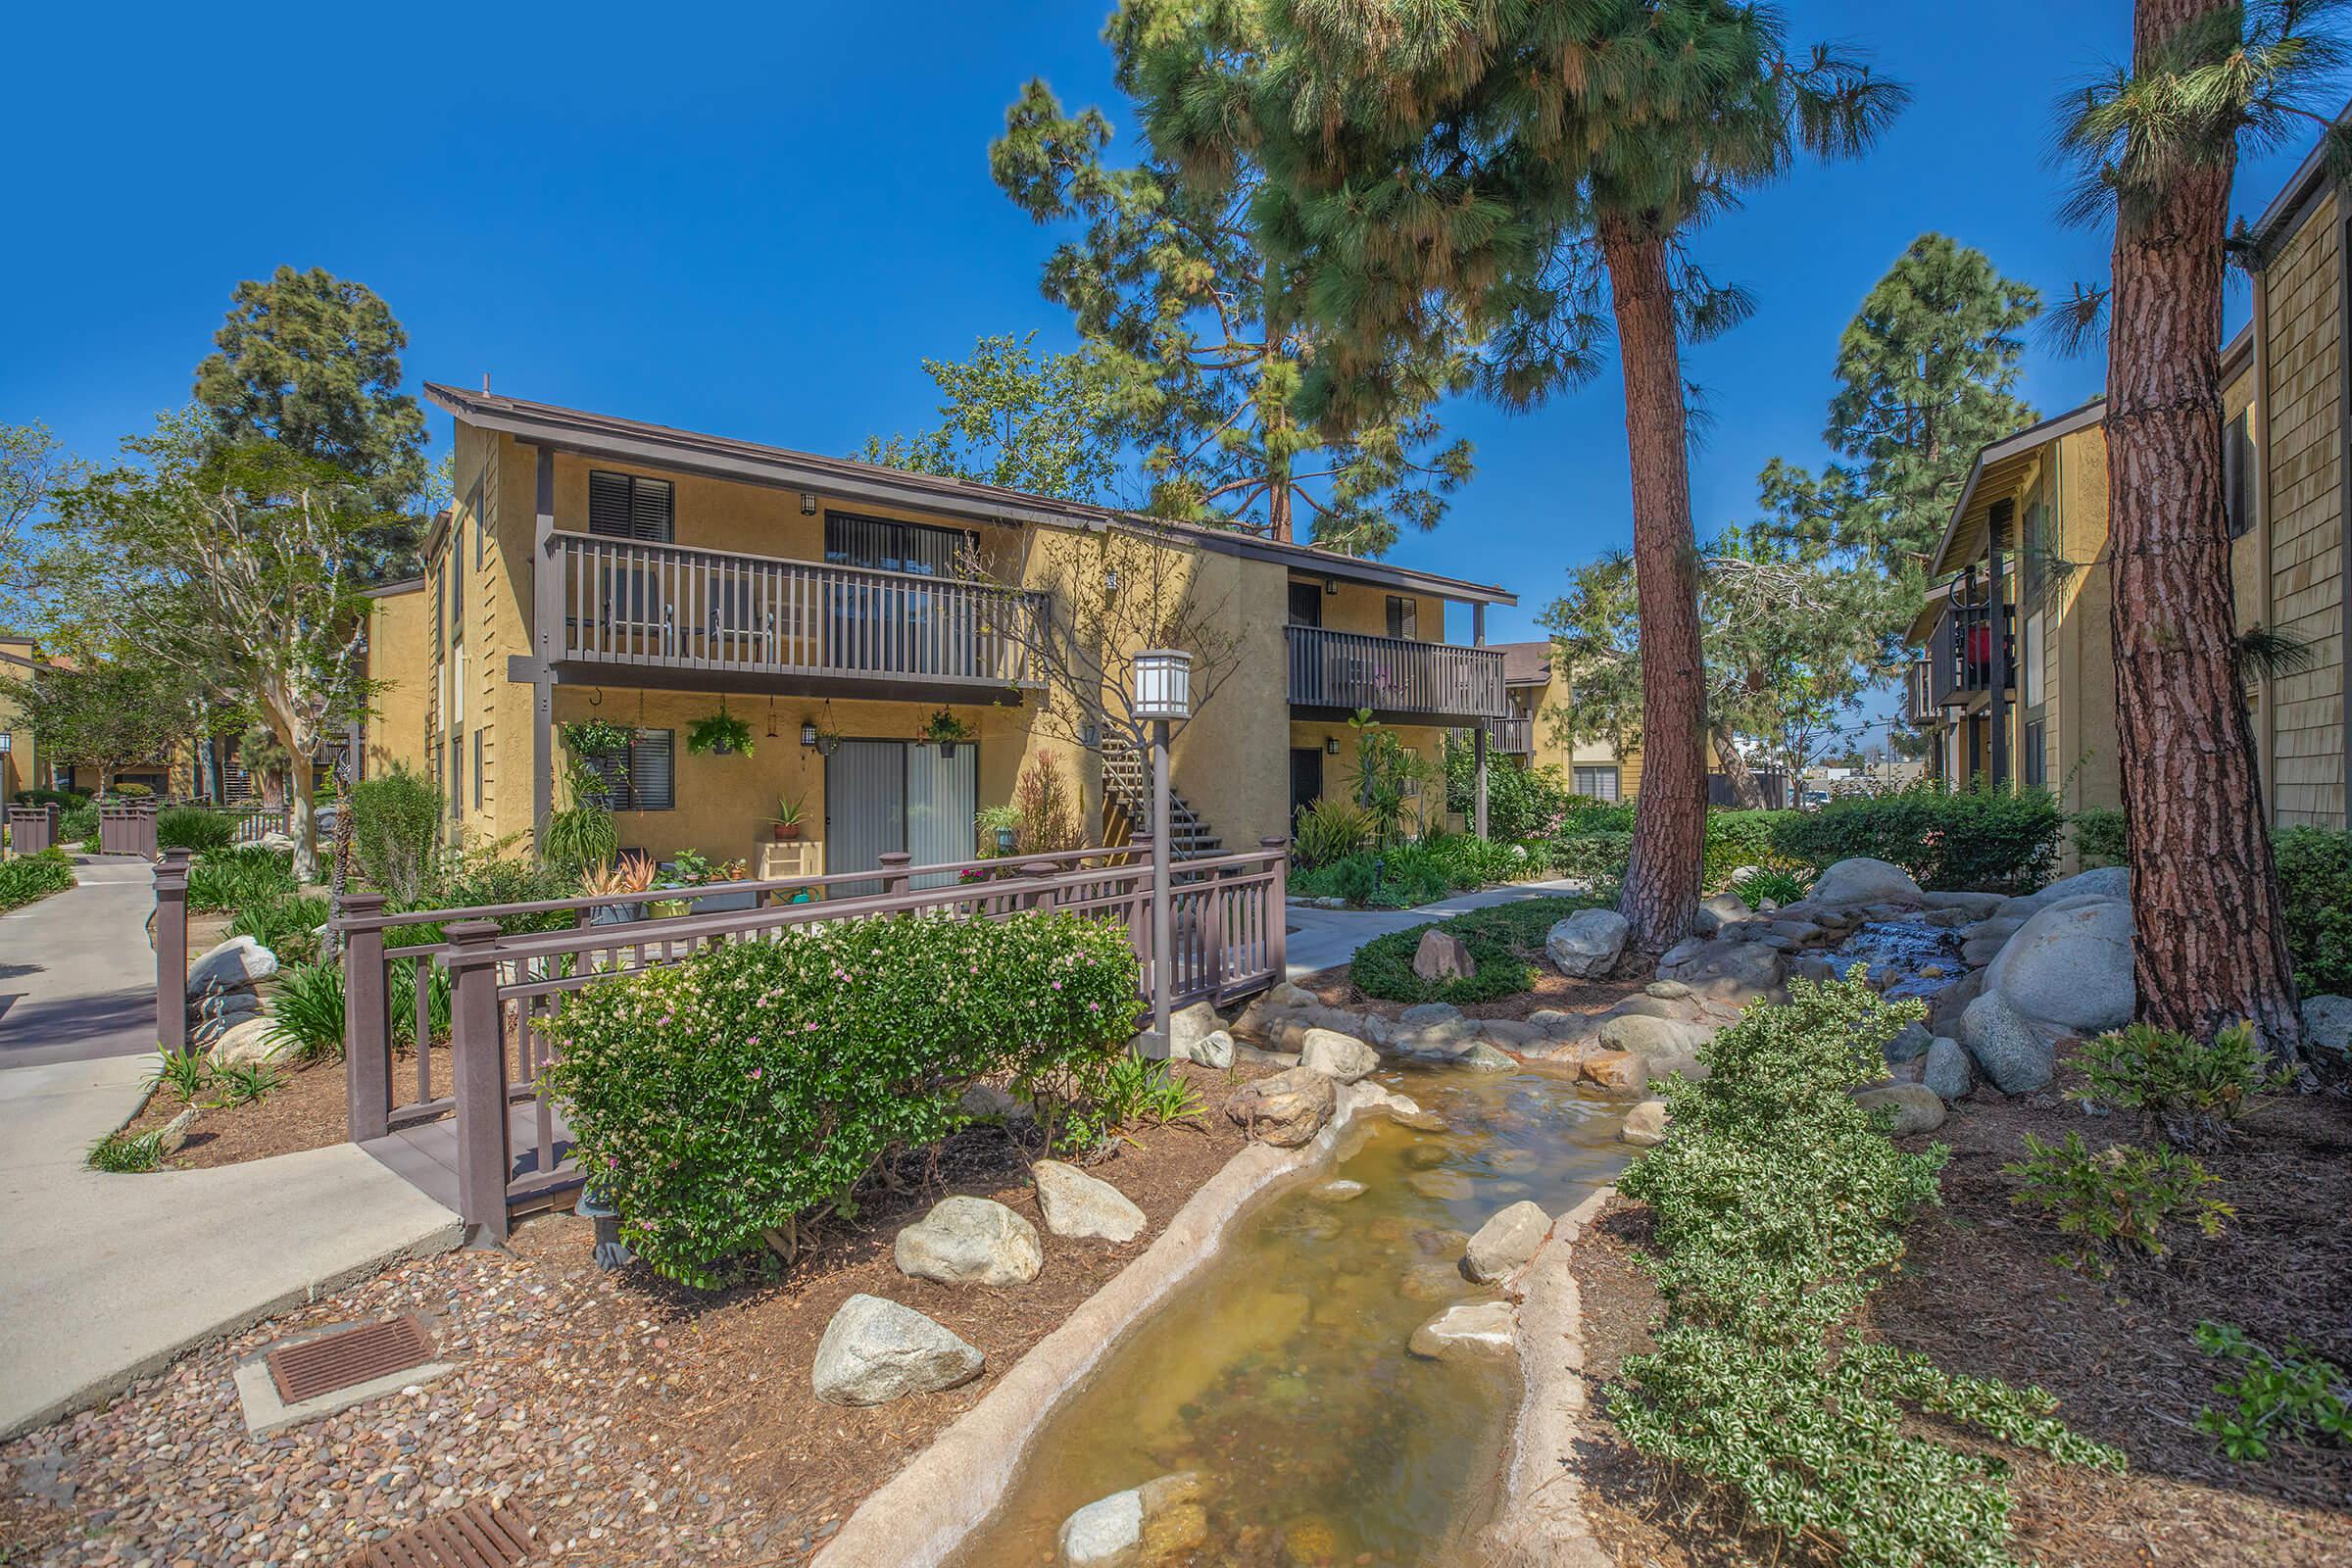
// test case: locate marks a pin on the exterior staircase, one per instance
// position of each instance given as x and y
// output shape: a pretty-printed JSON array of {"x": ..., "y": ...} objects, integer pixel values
[{"x": 1127, "y": 802}]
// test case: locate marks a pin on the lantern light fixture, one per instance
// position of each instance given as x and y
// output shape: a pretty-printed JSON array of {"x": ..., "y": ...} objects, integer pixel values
[
  {"x": 1164, "y": 684},
  {"x": 807, "y": 732},
  {"x": 1331, "y": 746},
  {"x": 807, "y": 502}
]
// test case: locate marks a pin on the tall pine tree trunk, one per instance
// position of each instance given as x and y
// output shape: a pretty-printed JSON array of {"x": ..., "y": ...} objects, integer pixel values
[
  {"x": 2208, "y": 945},
  {"x": 1670, "y": 818}
]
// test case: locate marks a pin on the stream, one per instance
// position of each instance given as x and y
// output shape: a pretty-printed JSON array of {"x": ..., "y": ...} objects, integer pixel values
[{"x": 1280, "y": 1373}]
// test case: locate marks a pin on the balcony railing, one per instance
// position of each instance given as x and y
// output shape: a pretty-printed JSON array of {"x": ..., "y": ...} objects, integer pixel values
[
  {"x": 1918, "y": 706},
  {"x": 1393, "y": 675},
  {"x": 1514, "y": 737},
  {"x": 670, "y": 606},
  {"x": 1960, "y": 654}
]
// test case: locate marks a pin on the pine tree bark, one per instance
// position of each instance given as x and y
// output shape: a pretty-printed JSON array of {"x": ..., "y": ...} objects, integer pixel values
[
  {"x": 2208, "y": 943},
  {"x": 1670, "y": 816},
  {"x": 1746, "y": 794}
]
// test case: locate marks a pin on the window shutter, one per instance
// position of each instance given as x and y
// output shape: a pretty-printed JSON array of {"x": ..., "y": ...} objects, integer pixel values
[
  {"x": 609, "y": 505},
  {"x": 649, "y": 512},
  {"x": 622, "y": 506},
  {"x": 651, "y": 757},
  {"x": 2238, "y": 478}
]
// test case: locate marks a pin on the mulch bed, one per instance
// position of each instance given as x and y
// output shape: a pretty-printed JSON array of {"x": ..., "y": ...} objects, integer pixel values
[
  {"x": 1980, "y": 1293},
  {"x": 638, "y": 1422},
  {"x": 308, "y": 1110}
]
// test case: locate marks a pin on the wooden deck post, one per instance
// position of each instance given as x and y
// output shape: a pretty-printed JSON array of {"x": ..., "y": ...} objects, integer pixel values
[
  {"x": 367, "y": 1022},
  {"x": 1036, "y": 896},
  {"x": 1278, "y": 908},
  {"x": 171, "y": 952},
  {"x": 477, "y": 1049},
  {"x": 895, "y": 877}
]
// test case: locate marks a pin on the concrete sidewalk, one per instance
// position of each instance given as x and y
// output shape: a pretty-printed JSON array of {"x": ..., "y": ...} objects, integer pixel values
[
  {"x": 1321, "y": 938},
  {"x": 76, "y": 972}
]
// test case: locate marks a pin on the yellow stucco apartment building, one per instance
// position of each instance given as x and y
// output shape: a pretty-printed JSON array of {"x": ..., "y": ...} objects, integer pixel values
[
  {"x": 599, "y": 567},
  {"x": 2034, "y": 704}
]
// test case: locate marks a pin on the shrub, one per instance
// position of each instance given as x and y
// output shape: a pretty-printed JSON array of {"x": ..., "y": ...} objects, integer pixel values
[
  {"x": 1504, "y": 943},
  {"x": 240, "y": 878},
  {"x": 2099, "y": 837},
  {"x": 1779, "y": 1206},
  {"x": 2315, "y": 883},
  {"x": 185, "y": 1074},
  {"x": 133, "y": 790},
  {"x": 35, "y": 876},
  {"x": 473, "y": 880},
  {"x": 1982, "y": 839},
  {"x": 1330, "y": 830},
  {"x": 2186, "y": 1091},
  {"x": 1774, "y": 883},
  {"x": 2116, "y": 1202},
  {"x": 1737, "y": 839},
  {"x": 580, "y": 837},
  {"x": 723, "y": 1101},
  {"x": 192, "y": 827},
  {"x": 77, "y": 824},
  {"x": 2295, "y": 1397},
  {"x": 395, "y": 825},
  {"x": 1584, "y": 815},
  {"x": 1522, "y": 802},
  {"x": 287, "y": 926},
  {"x": 63, "y": 800},
  {"x": 1046, "y": 809},
  {"x": 1355, "y": 878},
  {"x": 1598, "y": 855},
  {"x": 308, "y": 1015},
  {"x": 120, "y": 1152},
  {"x": 1123, "y": 1089}
]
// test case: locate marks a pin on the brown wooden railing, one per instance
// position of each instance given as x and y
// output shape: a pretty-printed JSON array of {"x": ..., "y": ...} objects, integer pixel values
[
  {"x": 1349, "y": 669},
  {"x": 32, "y": 828},
  {"x": 629, "y": 603},
  {"x": 1960, "y": 653},
  {"x": 127, "y": 829},
  {"x": 1515, "y": 737},
  {"x": 490, "y": 992},
  {"x": 1918, "y": 705},
  {"x": 257, "y": 822}
]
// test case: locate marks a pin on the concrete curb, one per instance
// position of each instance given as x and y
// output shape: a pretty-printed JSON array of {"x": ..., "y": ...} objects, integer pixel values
[
  {"x": 1541, "y": 1517},
  {"x": 923, "y": 1513}
]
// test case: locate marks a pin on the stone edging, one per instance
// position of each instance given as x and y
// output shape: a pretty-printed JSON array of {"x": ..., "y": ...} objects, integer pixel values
[
  {"x": 923, "y": 1513},
  {"x": 1541, "y": 1517}
]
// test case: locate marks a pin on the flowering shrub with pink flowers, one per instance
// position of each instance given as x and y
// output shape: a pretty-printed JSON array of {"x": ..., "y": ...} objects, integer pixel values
[{"x": 727, "y": 1103}]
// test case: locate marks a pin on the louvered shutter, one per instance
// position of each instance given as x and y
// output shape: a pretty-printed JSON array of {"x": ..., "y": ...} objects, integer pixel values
[
  {"x": 623, "y": 505},
  {"x": 609, "y": 500},
  {"x": 651, "y": 757},
  {"x": 649, "y": 513}
]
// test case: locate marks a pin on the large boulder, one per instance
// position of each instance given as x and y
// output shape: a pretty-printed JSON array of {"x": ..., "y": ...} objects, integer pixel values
[
  {"x": 1646, "y": 1036},
  {"x": 1075, "y": 1203},
  {"x": 970, "y": 1241},
  {"x": 2102, "y": 882},
  {"x": 1286, "y": 1110},
  {"x": 1161, "y": 1522},
  {"x": 1472, "y": 1331},
  {"x": 1616, "y": 1072},
  {"x": 2328, "y": 1024},
  {"x": 1441, "y": 955},
  {"x": 1286, "y": 995},
  {"x": 1212, "y": 1050},
  {"x": 248, "y": 1041},
  {"x": 1343, "y": 1058},
  {"x": 1910, "y": 1043},
  {"x": 1945, "y": 1070},
  {"x": 2005, "y": 1046},
  {"x": 1915, "y": 1107},
  {"x": 1586, "y": 946},
  {"x": 1717, "y": 910},
  {"x": 874, "y": 1351},
  {"x": 1506, "y": 1242},
  {"x": 2070, "y": 964},
  {"x": 238, "y": 961},
  {"x": 1188, "y": 1027},
  {"x": 1720, "y": 970},
  {"x": 1644, "y": 1125},
  {"x": 1863, "y": 880}
]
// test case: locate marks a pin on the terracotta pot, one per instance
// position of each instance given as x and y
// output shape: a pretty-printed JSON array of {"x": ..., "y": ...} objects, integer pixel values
[{"x": 786, "y": 831}]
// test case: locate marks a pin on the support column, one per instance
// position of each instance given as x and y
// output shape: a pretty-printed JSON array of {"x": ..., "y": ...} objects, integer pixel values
[
  {"x": 1478, "y": 735},
  {"x": 478, "y": 1080},
  {"x": 1164, "y": 939},
  {"x": 171, "y": 952},
  {"x": 546, "y": 620},
  {"x": 366, "y": 1021},
  {"x": 1997, "y": 597}
]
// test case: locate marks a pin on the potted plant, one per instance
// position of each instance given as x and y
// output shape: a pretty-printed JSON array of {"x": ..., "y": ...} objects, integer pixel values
[
  {"x": 719, "y": 734},
  {"x": 787, "y": 820},
  {"x": 999, "y": 830},
  {"x": 946, "y": 731},
  {"x": 616, "y": 879},
  {"x": 595, "y": 737}
]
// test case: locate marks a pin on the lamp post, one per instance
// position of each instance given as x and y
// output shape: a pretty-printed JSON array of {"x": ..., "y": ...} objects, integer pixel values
[{"x": 1163, "y": 694}]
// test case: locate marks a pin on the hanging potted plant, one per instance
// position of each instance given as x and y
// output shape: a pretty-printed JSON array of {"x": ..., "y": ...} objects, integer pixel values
[
  {"x": 946, "y": 731},
  {"x": 787, "y": 820},
  {"x": 592, "y": 737},
  {"x": 719, "y": 734}
]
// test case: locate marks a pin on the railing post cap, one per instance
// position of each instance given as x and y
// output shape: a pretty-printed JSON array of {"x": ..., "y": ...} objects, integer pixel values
[
  {"x": 359, "y": 902},
  {"x": 1278, "y": 842},
  {"x": 470, "y": 933},
  {"x": 897, "y": 858},
  {"x": 1038, "y": 868}
]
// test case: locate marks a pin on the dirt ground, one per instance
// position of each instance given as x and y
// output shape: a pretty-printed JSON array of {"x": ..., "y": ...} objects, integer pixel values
[
  {"x": 1980, "y": 1293},
  {"x": 308, "y": 1110},
  {"x": 638, "y": 1421}
]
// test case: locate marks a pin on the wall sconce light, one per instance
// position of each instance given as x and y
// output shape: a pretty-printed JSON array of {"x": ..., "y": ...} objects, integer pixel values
[
  {"x": 1111, "y": 580},
  {"x": 807, "y": 502},
  {"x": 1330, "y": 588},
  {"x": 1331, "y": 746},
  {"x": 807, "y": 733}
]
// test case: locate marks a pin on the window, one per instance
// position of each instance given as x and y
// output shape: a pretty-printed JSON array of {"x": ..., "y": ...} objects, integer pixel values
[
  {"x": 2238, "y": 477},
  {"x": 624, "y": 506},
  {"x": 1307, "y": 604},
  {"x": 456, "y": 775},
  {"x": 642, "y": 782},
  {"x": 880, "y": 544},
  {"x": 1404, "y": 617},
  {"x": 473, "y": 504},
  {"x": 440, "y": 619},
  {"x": 478, "y": 769},
  {"x": 2034, "y": 766},
  {"x": 1601, "y": 783},
  {"x": 2036, "y": 629}
]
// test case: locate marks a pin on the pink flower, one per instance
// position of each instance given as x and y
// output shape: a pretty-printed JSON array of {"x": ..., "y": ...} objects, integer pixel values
[{"x": 755, "y": 1072}]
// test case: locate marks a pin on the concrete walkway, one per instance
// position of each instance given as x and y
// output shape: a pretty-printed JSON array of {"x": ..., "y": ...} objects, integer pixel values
[
  {"x": 106, "y": 1278},
  {"x": 1321, "y": 938},
  {"x": 77, "y": 973}
]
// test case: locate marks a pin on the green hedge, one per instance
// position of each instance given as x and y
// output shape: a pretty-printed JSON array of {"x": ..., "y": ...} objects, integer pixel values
[
  {"x": 192, "y": 827},
  {"x": 1522, "y": 802},
  {"x": 63, "y": 800},
  {"x": 2315, "y": 883},
  {"x": 35, "y": 876},
  {"x": 2099, "y": 837},
  {"x": 1504, "y": 943},
  {"x": 720, "y": 1101},
  {"x": 1992, "y": 841}
]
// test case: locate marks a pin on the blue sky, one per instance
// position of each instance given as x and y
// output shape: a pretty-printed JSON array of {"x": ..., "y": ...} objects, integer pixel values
[{"x": 757, "y": 222}]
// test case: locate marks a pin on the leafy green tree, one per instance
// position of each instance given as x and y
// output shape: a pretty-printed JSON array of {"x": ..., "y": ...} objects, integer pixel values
[
  {"x": 1041, "y": 422},
  {"x": 311, "y": 361},
  {"x": 239, "y": 564},
  {"x": 31, "y": 466},
  {"x": 2156, "y": 147},
  {"x": 1495, "y": 175},
  {"x": 1172, "y": 290},
  {"x": 108, "y": 714}
]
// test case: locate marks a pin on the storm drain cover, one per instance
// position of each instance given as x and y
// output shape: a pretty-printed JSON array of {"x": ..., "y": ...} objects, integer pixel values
[
  {"x": 480, "y": 1535},
  {"x": 357, "y": 1354}
]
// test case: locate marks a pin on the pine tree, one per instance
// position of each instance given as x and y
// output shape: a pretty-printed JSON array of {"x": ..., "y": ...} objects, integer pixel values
[
  {"x": 1046, "y": 424},
  {"x": 1171, "y": 290},
  {"x": 2157, "y": 147},
  {"x": 1506, "y": 173}
]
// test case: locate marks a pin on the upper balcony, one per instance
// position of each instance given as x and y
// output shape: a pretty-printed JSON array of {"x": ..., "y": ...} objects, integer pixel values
[
  {"x": 1396, "y": 677},
  {"x": 1513, "y": 737},
  {"x": 1960, "y": 656},
  {"x": 634, "y": 613}
]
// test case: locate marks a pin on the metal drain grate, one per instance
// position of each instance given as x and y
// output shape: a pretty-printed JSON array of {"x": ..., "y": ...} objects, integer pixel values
[
  {"x": 479, "y": 1534},
  {"x": 312, "y": 1367}
]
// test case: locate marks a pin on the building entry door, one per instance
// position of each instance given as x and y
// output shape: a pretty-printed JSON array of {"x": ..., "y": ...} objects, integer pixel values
[
  {"x": 887, "y": 797},
  {"x": 1306, "y": 778}
]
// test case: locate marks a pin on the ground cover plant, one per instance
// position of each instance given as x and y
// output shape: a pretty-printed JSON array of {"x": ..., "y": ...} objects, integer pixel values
[
  {"x": 1505, "y": 943},
  {"x": 120, "y": 1153},
  {"x": 1780, "y": 1205},
  {"x": 35, "y": 876},
  {"x": 2295, "y": 1394},
  {"x": 193, "y": 827},
  {"x": 2119, "y": 1204},
  {"x": 2314, "y": 884},
  {"x": 2188, "y": 1092},
  {"x": 726, "y": 1104},
  {"x": 240, "y": 878},
  {"x": 1412, "y": 871}
]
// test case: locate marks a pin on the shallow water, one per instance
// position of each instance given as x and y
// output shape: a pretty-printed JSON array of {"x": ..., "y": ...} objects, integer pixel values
[
  {"x": 1898, "y": 951},
  {"x": 1280, "y": 1372}
]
